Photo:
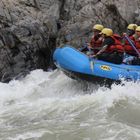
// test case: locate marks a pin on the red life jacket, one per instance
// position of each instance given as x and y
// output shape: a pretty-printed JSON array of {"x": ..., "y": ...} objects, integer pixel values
[
  {"x": 117, "y": 46},
  {"x": 96, "y": 43},
  {"x": 137, "y": 43},
  {"x": 127, "y": 47},
  {"x": 131, "y": 37}
]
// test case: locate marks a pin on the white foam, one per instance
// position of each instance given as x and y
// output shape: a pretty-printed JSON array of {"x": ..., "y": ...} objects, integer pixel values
[
  {"x": 55, "y": 85},
  {"x": 53, "y": 97}
]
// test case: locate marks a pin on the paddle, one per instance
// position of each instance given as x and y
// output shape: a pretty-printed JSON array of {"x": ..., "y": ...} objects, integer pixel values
[
  {"x": 90, "y": 58},
  {"x": 132, "y": 45}
]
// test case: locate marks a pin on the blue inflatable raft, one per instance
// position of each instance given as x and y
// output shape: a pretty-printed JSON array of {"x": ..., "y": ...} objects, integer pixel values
[{"x": 79, "y": 66}]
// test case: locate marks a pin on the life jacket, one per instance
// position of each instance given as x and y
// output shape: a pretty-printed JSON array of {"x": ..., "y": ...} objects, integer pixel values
[
  {"x": 137, "y": 43},
  {"x": 131, "y": 37},
  {"x": 117, "y": 46},
  {"x": 96, "y": 43},
  {"x": 127, "y": 47}
]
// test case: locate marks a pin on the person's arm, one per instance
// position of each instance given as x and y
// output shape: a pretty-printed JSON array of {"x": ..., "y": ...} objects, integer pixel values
[
  {"x": 107, "y": 42},
  {"x": 102, "y": 50}
]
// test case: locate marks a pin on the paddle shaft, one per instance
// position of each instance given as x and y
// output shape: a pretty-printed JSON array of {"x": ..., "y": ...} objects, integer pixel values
[{"x": 90, "y": 58}]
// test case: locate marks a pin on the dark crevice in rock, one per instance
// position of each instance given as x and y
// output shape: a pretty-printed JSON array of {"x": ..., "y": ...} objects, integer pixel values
[
  {"x": 34, "y": 3},
  {"x": 43, "y": 58},
  {"x": 117, "y": 17},
  {"x": 4, "y": 23},
  {"x": 112, "y": 8},
  {"x": 37, "y": 4},
  {"x": 44, "y": 55},
  {"x": 64, "y": 14}
]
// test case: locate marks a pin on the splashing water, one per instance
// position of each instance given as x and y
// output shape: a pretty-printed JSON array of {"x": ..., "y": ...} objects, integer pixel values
[{"x": 50, "y": 106}]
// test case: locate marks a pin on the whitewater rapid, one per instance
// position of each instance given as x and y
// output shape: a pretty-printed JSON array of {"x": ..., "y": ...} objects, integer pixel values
[{"x": 51, "y": 106}]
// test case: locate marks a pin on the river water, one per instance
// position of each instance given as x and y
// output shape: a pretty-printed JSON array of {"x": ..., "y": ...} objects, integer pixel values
[{"x": 51, "y": 106}]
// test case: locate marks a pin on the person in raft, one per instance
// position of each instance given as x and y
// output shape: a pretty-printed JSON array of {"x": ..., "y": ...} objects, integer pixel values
[
  {"x": 112, "y": 49},
  {"x": 96, "y": 41},
  {"x": 131, "y": 34},
  {"x": 135, "y": 59}
]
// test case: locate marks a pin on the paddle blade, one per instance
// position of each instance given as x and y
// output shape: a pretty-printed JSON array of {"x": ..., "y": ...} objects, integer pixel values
[{"x": 91, "y": 64}]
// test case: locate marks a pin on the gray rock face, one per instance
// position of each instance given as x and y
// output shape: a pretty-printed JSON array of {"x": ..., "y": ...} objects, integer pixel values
[{"x": 31, "y": 29}]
